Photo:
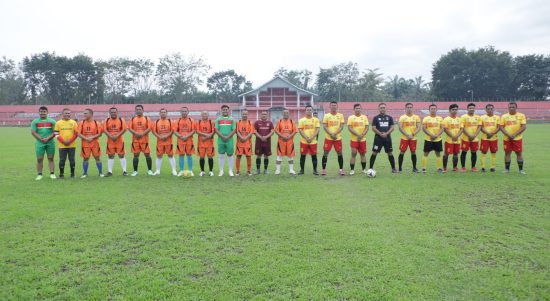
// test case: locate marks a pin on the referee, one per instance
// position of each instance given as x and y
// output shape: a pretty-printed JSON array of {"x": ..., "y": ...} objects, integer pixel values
[{"x": 382, "y": 125}]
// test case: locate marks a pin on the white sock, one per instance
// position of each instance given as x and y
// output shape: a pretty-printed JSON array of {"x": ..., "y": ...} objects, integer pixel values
[
  {"x": 291, "y": 165},
  {"x": 172, "y": 163},
  {"x": 110, "y": 163},
  {"x": 230, "y": 163},
  {"x": 221, "y": 159},
  {"x": 159, "y": 164},
  {"x": 123, "y": 163}
]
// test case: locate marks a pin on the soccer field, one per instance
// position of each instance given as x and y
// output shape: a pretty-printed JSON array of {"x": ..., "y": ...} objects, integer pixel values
[{"x": 454, "y": 236}]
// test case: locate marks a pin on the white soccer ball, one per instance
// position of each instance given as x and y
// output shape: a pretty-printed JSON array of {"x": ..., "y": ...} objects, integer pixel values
[
  {"x": 186, "y": 174},
  {"x": 371, "y": 173}
]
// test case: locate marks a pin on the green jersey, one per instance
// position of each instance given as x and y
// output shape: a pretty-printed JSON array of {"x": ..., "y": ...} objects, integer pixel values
[
  {"x": 225, "y": 124},
  {"x": 43, "y": 127}
]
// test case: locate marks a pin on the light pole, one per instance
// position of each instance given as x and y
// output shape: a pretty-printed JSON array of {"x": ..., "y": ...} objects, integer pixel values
[{"x": 471, "y": 95}]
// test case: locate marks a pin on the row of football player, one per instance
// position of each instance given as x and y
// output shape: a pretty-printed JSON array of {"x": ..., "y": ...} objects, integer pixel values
[{"x": 462, "y": 134}]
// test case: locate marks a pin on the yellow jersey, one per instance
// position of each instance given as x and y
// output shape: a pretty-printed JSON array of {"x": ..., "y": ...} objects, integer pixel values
[
  {"x": 358, "y": 124},
  {"x": 433, "y": 126},
  {"x": 453, "y": 125},
  {"x": 470, "y": 124},
  {"x": 490, "y": 124},
  {"x": 512, "y": 124},
  {"x": 308, "y": 125},
  {"x": 333, "y": 123},
  {"x": 67, "y": 130},
  {"x": 409, "y": 123}
]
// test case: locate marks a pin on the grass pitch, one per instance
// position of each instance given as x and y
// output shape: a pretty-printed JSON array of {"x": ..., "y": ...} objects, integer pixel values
[{"x": 455, "y": 236}]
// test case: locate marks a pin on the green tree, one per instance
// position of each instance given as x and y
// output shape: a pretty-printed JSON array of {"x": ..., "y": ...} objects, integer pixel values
[
  {"x": 338, "y": 82},
  {"x": 12, "y": 83},
  {"x": 179, "y": 77},
  {"x": 227, "y": 85},
  {"x": 532, "y": 77},
  {"x": 300, "y": 78}
]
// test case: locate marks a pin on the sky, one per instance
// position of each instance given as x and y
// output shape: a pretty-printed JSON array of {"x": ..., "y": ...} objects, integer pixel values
[{"x": 255, "y": 38}]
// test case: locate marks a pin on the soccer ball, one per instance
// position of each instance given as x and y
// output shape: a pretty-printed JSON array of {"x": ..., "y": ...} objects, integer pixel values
[
  {"x": 371, "y": 173},
  {"x": 186, "y": 174}
]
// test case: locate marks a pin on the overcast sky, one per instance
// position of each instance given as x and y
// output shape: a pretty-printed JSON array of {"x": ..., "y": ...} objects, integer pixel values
[{"x": 255, "y": 38}]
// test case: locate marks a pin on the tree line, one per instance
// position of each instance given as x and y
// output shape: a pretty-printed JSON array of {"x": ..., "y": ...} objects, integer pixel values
[{"x": 481, "y": 74}]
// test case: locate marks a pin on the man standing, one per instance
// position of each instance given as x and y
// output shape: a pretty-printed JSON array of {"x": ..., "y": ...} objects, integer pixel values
[
  {"x": 432, "y": 126},
  {"x": 184, "y": 131},
  {"x": 140, "y": 126},
  {"x": 285, "y": 129},
  {"x": 453, "y": 129},
  {"x": 163, "y": 129},
  {"x": 308, "y": 127},
  {"x": 358, "y": 126},
  {"x": 512, "y": 125},
  {"x": 472, "y": 126},
  {"x": 245, "y": 130},
  {"x": 382, "y": 125},
  {"x": 66, "y": 132},
  {"x": 333, "y": 124},
  {"x": 205, "y": 133},
  {"x": 89, "y": 130},
  {"x": 225, "y": 127},
  {"x": 114, "y": 128},
  {"x": 263, "y": 130},
  {"x": 409, "y": 126},
  {"x": 42, "y": 129},
  {"x": 489, "y": 136}
]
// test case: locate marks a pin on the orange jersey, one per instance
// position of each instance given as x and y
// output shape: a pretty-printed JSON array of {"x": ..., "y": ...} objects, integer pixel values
[
  {"x": 205, "y": 127},
  {"x": 140, "y": 124},
  {"x": 114, "y": 127},
  {"x": 162, "y": 127},
  {"x": 184, "y": 126},
  {"x": 244, "y": 128},
  {"x": 89, "y": 128},
  {"x": 285, "y": 127}
]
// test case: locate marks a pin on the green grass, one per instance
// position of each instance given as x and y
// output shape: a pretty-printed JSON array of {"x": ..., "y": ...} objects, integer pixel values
[{"x": 408, "y": 236}]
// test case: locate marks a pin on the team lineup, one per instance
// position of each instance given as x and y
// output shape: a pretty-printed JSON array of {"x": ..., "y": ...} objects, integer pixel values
[{"x": 464, "y": 134}]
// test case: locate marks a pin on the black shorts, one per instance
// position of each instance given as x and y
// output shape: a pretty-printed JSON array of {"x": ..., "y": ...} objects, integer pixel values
[
  {"x": 433, "y": 146},
  {"x": 380, "y": 143}
]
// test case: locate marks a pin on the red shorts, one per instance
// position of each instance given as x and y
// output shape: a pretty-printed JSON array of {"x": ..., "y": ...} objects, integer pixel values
[
  {"x": 206, "y": 151},
  {"x": 185, "y": 149},
  {"x": 165, "y": 149},
  {"x": 487, "y": 144},
  {"x": 515, "y": 146},
  {"x": 308, "y": 149},
  {"x": 336, "y": 143},
  {"x": 452, "y": 148},
  {"x": 404, "y": 144},
  {"x": 285, "y": 148},
  {"x": 86, "y": 152},
  {"x": 115, "y": 148},
  {"x": 470, "y": 146},
  {"x": 244, "y": 150},
  {"x": 140, "y": 148},
  {"x": 360, "y": 146}
]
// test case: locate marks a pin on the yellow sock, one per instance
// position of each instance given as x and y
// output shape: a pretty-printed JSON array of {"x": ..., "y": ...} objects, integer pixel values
[
  {"x": 482, "y": 159},
  {"x": 493, "y": 160},
  {"x": 439, "y": 162},
  {"x": 424, "y": 162}
]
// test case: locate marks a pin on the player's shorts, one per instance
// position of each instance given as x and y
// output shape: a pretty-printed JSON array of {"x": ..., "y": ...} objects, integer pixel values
[
  {"x": 487, "y": 145},
  {"x": 285, "y": 148},
  {"x": 515, "y": 146},
  {"x": 244, "y": 150},
  {"x": 410, "y": 144},
  {"x": 185, "y": 149},
  {"x": 45, "y": 148},
  {"x": 308, "y": 149},
  {"x": 138, "y": 147},
  {"x": 360, "y": 146},
  {"x": 206, "y": 151},
  {"x": 380, "y": 143},
  {"x": 452, "y": 148},
  {"x": 86, "y": 152},
  {"x": 336, "y": 143},
  {"x": 226, "y": 147},
  {"x": 469, "y": 146},
  {"x": 262, "y": 148},
  {"x": 115, "y": 148},
  {"x": 165, "y": 149},
  {"x": 436, "y": 146}
]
